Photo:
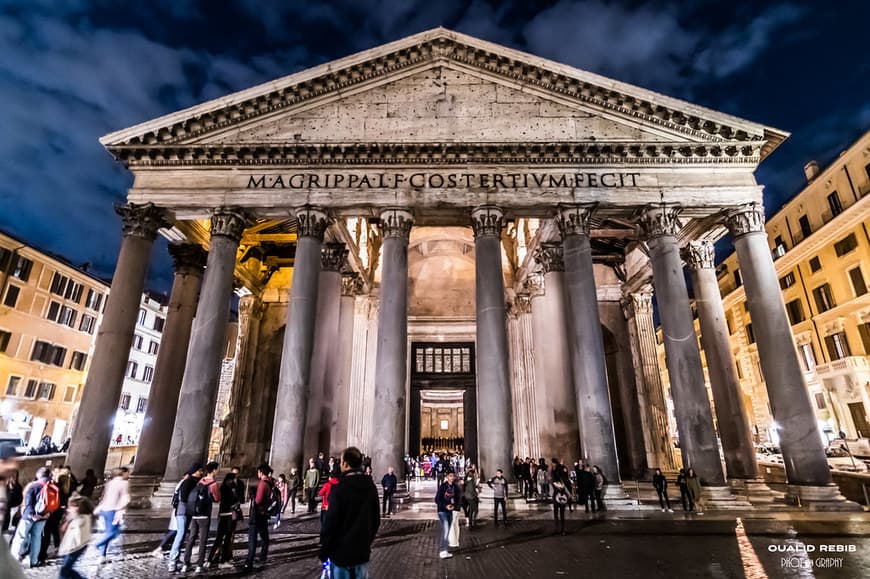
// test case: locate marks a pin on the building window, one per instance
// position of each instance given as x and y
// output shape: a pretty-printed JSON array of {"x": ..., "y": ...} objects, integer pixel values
[
  {"x": 838, "y": 346},
  {"x": 158, "y": 323},
  {"x": 70, "y": 394},
  {"x": 140, "y": 405},
  {"x": 738, "y": 279},
  {"x": 858, "y": 283},
  {"x": 67, "y": 316},
  {"x": 21, "y": 268},
  {"x": 78, "y": 361},
  {"x": 63, "y": 286},
  {"x": 739, "y": 367},
  {"x": 137, "y": 341},
  {"x": 804, "y": 222},
  {"x": 442, "y": 359},
  {"x": 807, "y": 357},
  {"x": 750, "y": 335},
  {"x": 12, "y": 385},
  {"x": 864, "y": 332},
  {"x": 147, "y": 374},
  {"x": 795, "y": 311},
  {"x": 125, "y": 402},
  {"x": 729, "y": 321},
  {"x": 48, "y": 354},
  {"x": 845, "y": 245},
  {"x": 32, "y": 387},
  {"x": 58, "y": 356},
  {"x": 11, "y": 298},
  {"x": 4, "y": 340},
  {"x": 779, "y": 247},
  {"x": 820, "y": 401},
  {"x": 132, "y": 368},
  {"x": 95, "y": 299},
  {"x": 142, "y": 316},
  {"x": 824, "y": 298},
  {"x": 815, "y": 264},
  {"x": 834, "y": 204},
  {"x": 152, "y": 347},
  {"x": 787, "y": 280},
  {"x": 88, "y": 324},
  {"x": 53, "y": 310},
  {"x": 46, "y": 391}
]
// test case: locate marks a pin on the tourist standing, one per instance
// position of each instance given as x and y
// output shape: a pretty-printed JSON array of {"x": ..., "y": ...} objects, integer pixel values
[
  {"x": 9, "y": 568},
  {"x": 586, "y": 482},
  {"x": 13, "y": 489},
  {"x": 89, "y": 483},
  {"x": 76, "y": 535},
  {"x": 283, "y": 488},
  {"x": 685, "y": 496},
  {"x": 258, "y": 520},
  {"x": 600, "y": 481},
  {"x": 325, "y": 491},
  {"x": 694, "y": 486},
  {"x": 35, "y": 511},
  {"x": 229, "y": 511},
  {"x": 199, "y": 504},
  {"x": 51, "y": 531},
  {"x": 499, "y": 486},
  {"x": 182, "y": 493},
  {"x": 389, "y": 483},
  {"x": 447, "y": 499},
  {"x": 116, "y": 497},
  {"x": 310, "y": 483},
  {"x": 560, "y": 498},
  {"x": 661, "y": 485},
  {"x": 518, "y": 474},
  {"x": 352, "y": 521},
  {"x": 471, "y": 495},
  {"x": 293, "y": 484}
]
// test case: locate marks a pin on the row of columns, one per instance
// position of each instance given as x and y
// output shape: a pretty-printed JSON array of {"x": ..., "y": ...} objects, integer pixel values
[{"x": 805, "y": 462}]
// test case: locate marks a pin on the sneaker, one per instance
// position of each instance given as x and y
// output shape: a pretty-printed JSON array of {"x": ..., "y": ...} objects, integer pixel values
[
  {"x": 199, "y": 569},
  {"x": 663, "y": 510},
  {"x": 226, "y": 565},
  {"x": 670, "y": 510},
  {"x": 445, "y": 555},
  {"x": 173, "y": 567},
  {"x": 157, "y": 553},
  {"x": 184, "y": 568}
]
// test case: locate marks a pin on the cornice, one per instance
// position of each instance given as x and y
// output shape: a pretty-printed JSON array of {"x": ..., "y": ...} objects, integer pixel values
[
  {"x": 443, "y": 46},
  {"x": 336, "y": 154}
]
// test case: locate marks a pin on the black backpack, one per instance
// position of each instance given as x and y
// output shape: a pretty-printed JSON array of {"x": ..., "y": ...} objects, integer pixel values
[
  {"x": 275, "y": 501},
  {"x": 199, "y": 501}
]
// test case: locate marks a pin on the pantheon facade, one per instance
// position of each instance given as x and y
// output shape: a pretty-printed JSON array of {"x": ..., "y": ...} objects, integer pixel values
[{"x": 442, "y": 226}]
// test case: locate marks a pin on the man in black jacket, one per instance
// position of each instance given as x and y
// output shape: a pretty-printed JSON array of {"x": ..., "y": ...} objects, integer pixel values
[
  {"x": 389, "y": 484},
  {"x": 352, "y": 520}
]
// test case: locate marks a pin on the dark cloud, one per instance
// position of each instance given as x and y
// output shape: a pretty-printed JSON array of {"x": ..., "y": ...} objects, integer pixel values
[{"x": 73, "y": 70}]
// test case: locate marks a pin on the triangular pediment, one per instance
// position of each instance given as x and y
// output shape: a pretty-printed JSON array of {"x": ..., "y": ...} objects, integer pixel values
[{"x": 443, "y": 87}]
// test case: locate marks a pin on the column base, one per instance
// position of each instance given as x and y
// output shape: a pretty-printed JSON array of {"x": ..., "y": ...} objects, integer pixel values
[
  {"x": 720, "y": 498},
  {"x": 819, "y": 498},
  {"x": 162, "y": 497},
  {"x": 757, "y": 492},
  {"x": 615, "y": 497},
  {"x": 142, "y": 488}
]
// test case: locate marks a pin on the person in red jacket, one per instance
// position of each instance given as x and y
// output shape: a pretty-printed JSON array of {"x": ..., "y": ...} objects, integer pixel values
[
  {"x": 258, "y": 522},
  {"x": 324, "y": 492}
]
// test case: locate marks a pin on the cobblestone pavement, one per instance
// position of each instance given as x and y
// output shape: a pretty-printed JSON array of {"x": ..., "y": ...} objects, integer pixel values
[{"x": 618, "y": 544}]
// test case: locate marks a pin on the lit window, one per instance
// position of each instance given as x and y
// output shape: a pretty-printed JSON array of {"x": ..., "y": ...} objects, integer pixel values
[{"x": 12, "y": 385}]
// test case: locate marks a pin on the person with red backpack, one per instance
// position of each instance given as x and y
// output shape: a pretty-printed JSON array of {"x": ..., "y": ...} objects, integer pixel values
[
  {"x": 199, "y": 506},
  {"x": 41, "y": 498},
  {"x": 265, "y": 504},
  {"x": 116, "y": 497}
]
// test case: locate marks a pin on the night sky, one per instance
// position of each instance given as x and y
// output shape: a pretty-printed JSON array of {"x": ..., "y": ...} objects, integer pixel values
[{"x": 72, "y": 71}]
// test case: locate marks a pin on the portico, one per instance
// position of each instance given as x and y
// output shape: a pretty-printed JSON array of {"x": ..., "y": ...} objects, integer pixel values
[{"x": 476, "y": 195}]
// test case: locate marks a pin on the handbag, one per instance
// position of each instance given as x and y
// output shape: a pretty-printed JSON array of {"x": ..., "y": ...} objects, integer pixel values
[{"x": 453, "y": 534}]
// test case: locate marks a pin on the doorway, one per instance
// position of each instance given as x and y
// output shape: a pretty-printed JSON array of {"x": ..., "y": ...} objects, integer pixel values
[
  {"x": 443, "y": 413},
  {"x": 859, "y": 417}
]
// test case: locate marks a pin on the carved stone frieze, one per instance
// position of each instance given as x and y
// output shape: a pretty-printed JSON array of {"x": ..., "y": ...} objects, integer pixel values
[
  {"x": 311, "y": 222},
  {"x": 142, "y": 220},
  {"x": 188, "y": 258},
  {"x": 699, "y": 255},
  {"x": 637, "y": 304},
  {"x": 660, "y": 220},
  {"x": 487, "y": 220},
  {"x": 351, "y": 284},
  {"x": 228, "y": 222},
  {"x": 333, "y": 256},
  {"x": 522, "y": 304},
  {"x": 748, "y": 218},
  {"x": 396, "y": 222},
  {"x": 549, "y": 256},
  {"x": 574, "y": 219},
  {"x": 533, "y": 285}
]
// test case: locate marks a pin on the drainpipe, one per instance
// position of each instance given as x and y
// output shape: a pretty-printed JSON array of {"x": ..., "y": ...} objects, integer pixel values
[{"x": 851, "y": 185}]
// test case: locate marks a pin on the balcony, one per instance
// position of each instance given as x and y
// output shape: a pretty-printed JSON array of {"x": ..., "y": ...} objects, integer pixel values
[{"x": 843, "y": 365}]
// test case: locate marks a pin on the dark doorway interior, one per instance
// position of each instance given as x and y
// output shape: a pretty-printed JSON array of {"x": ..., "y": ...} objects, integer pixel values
[
  {"x": 859, "y": 417},
  {"x": 442, "y": 374}
]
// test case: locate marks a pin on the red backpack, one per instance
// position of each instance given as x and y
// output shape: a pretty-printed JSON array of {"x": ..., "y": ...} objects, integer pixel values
[{"x": 48, "y": 500}]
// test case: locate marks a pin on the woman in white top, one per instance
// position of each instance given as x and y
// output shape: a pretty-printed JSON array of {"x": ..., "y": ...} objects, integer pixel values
[{"x": 116, "y": 497}]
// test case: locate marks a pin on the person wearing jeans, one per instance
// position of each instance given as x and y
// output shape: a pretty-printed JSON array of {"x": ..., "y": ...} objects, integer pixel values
[
  {"x": 447, "y": 500},
  {"x": 258, "y": 523},
  {"x": 182, "y": 519},
  {"x": 499, "y": 486},
  {"x": 116, "y": 496}
]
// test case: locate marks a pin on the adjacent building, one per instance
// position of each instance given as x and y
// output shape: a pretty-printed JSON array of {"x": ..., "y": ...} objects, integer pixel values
[{"x": 50, "y": 310}]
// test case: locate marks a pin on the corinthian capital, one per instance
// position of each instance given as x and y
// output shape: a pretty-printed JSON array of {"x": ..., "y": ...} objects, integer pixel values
[
  {"x": 396, "y": 222},
  {"x": 351, "y": 284},
  {"x": 549, "y": 255},
  {"x": 574, "y": 219},
  {"x": 487, "y": 220},
  {"x": 188, "y": 258},
  {"x": 660, "y": 220},
  {"x": 141, "y": 220},
  {"x": 311, "y": 222},
  {"x": 522, "y": 304},
  {"x": 333, "y": 256},
  {"x": 228, "y": 222},
  {"x": 534, "y": 285},
  {"x": 699, "y": 255},
  {"x": 637, "y": 304},
  {"x": 748, "y": 218}
]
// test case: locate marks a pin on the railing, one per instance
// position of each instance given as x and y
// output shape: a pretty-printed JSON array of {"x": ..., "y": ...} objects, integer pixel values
[{"x": 849, "y": 362}]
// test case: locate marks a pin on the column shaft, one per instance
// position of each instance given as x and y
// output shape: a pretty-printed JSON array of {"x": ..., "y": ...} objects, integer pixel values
[
  {"x": 391, "y": 359},
  {"x": 587, "y": 344},
  {"x": 734, "y": 430},
  {"x": 196, "y": 405},
  {"x": 288, "y": 432},
  {"x": 105, "y": 380},
  {"x": 691, "y": 405},
  {"x": 350, "y": 286},
  {"x": 802, "y": 449},
  {"x": 169, "y": 370},
  {"x": 495, "y": 436}
]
